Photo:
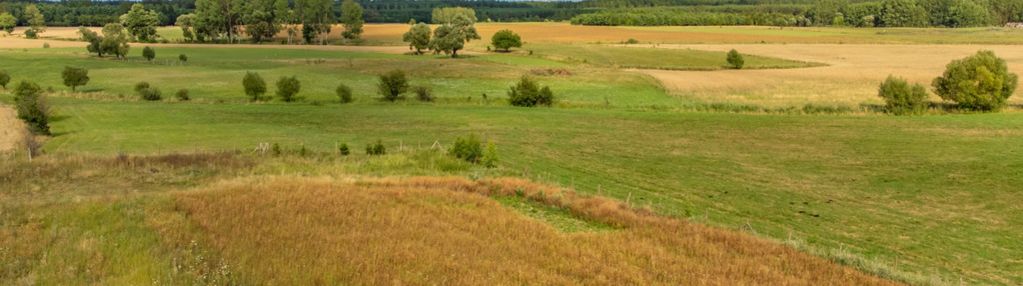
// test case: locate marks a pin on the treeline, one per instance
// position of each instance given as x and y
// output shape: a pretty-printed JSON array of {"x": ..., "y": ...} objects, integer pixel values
[
  {"x": 95, "y": 13},
  {"x": 886, "y": 13},
  {"x": 400, "y": 11}
]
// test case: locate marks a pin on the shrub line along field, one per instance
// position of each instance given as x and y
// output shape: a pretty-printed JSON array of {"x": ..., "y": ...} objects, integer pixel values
[{"x": 925, "y": 200}]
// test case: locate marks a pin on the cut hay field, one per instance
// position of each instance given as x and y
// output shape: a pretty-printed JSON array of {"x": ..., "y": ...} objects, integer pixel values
[{"x": 817, "y": 190}]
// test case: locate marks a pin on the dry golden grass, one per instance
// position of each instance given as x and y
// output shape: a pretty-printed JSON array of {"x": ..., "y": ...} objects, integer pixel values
[
  {"x": 301, "y": 231},
  {"x": 851, "y": 77},
  {"x": 12, "y": 130}
]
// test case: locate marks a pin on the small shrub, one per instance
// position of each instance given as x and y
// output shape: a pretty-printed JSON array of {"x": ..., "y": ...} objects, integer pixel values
[
  {"x": 287, "y": 88},
  {"x": 423, "y": 93},
  {"x": 150, "y": 94},
  {"x": 254, "y": 86},
  {"x": 901, "y": 98},
  {"x": 469, "y": 149},
  {"x": 75, "y": 77},
  {"x": 183, "y": 58},
  {"x": 32, "y": 107},
  {"x": 149, "y": 53},
  {"x": 979, "y": 82},
  {"x": 490, "y": 159},
  {"x": 735, "y": 60},
  {"x": 343, "y": 149},
  {"x": 393, "y": 84},
  {"x": 631, "y": 41},
  {"x": 344, "y": 93},
  {"x": 46, "y": 45},
  {"x": 528, "y": 93},
  {"x": 5, "y": 78},
  {"x": 141, "y": 86},
  {"x": 276, "y": 149},
  {"x": 31, "y": 34},
  {"x": 376, "y": 148},
  {"x": 182, "y": 95}
]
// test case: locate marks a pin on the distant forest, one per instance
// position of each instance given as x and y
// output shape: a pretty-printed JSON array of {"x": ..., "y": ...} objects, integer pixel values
[{"x": 858, "y": 13}]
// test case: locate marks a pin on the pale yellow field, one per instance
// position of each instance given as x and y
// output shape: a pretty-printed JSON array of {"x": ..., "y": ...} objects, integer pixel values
[
  {"x": 11, "y": 129},
  {"x": 851, "y": 77}
]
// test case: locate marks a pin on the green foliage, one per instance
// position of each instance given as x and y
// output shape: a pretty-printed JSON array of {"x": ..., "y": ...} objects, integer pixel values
[
  {"x": 5, "y": 78},
  {"x": 735, "y": 59},
  {"x": 141, "y": 86},
  {"x": 147, "y": 92},
  {"x": 527, "y": 93},
  {"x": 351, "y": 17},
  {"x": 35, "y": 20},
  {"x": 451, "y": 37},
  {"x": 287, "y": 88},
  {"x": 8, "y": 22},
  {"x": 114, "y": 41},
  {"x": 254, "y": 86},
  {"x": 187, "y": 24},
  {"x": 183, "y": 58},
  {"x": 148, "y": 53},
  {"x": 32, "y": 107},
  {"x": 958, "y": 13},
  {"x": 490, "y": 158},
  {"x": 263, "y": 18},
  {"x": 217, "y": 19},
  {"x": 448, "y": 15},
  {"x": 418, "y": 37},
  {"x": 505, "y": 40},
  {"x": 344, "y": 150},
  {"x": 423, "y": 93},
  {"x": 376, "y": 148},
  {"x": 182, "y": 95},
  {"x": 902, "y": 13},
  {"x": 141, "y": 23},
  {"x": 317, "y": 17},
  {"x": 93, "y": 39},
  {"x": 75, "y": 77},
  {"x": 344, "y": 93},
  {"x": 468, "y": 148},
  {"x": 979, "y": 82},
  {"x": 901, "y": 98},
  {"x": 663, "y": 16},
  {"x": 392, "y": 85}
]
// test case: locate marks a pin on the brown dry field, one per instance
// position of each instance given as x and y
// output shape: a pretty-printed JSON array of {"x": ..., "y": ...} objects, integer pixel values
[
  {"x": 302, "y": 231},
  {"x": 851, "y": 77},
  {"x": 11, "y": 129}
]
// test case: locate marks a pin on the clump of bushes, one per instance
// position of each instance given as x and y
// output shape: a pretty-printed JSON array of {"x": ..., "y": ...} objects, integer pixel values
[
  {"x": 393, "y": 84},
  {"x": 735, "y": 60},
  {"x": 471, "y": 150},
  {"x": 182, "y": 95},
  {"x": 5, "y": 78},
  {"x": 528, "y": 93},
  {"x": 287, "y": 88},
  {"x": 344, "y": 93},
  {"x": 978, "y": 82},
  {"x": 376, "y": 148},
  {"x": 32, "y": 107},
  {"x": 147, "y": 92},
  {"x": 254, "y": 86},
  {"x": 423, "y": 93},
  {"x": 901, "y": 98}
]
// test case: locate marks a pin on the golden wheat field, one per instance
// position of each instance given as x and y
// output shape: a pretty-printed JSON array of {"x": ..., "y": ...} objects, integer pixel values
[{"x": 299, "y": 231}]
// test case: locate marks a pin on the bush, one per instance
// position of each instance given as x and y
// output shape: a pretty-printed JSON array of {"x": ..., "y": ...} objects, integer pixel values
[
  {"x": 254, "y": 86},
  {"x": 979, "y": 82},
  {"x": 344, "y": 93},
  {"x": 287, "y": 88},
  {"x": 376, "y": 148},
  {"x": 183, "y": 58},
  {"x": 31, "y": 34},
  {"x": 150, "y": 94},
  {"x": 505, "y": 40},
  {"x": 141, "y": 86},
  {"x": 343, "y": 149},
  {"x": 901, "y": 98},
  {"x": 490, "y": 156},
  {"x": 148, "y": 53},
  {"x": 735, "y": 60},
  {"x": 393, "y": 84},
  {"x": 182, "y": 95},
  {"x": 423, "y": 93},
  {"x": 46, "y": 45},
  {"x": 5, "y": 78},
  {"x": 469, "y": 149},
  {"x": 32, "y": 107},
  {"x": 528, "y": 93},
  {"x": 75, "y": 77}
]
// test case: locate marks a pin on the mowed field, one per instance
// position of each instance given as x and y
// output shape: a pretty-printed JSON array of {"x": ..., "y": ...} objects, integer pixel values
[{"x": 925, "y": 200}]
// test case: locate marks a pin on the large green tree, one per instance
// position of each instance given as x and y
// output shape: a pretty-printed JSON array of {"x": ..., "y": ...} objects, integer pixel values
[
  {"x": 450, "y": 38},
  {"x": 352, "y": 18},
  {"x": 418, "y": 37},
  {"x": 317, "y": 17},
  {"x": 902, "y": 13},
  {"x": 141, "y": 23},
  {"x": 217, "y": 19},
  {"x": 36, "y": 21},
  {"x": 187, "y": 24},
  {"x": 8, "y": 22},
  {"x": 115, "y": 40},
  {"x": 505, "y": 40},
  {"x": 264, "y": 18}
]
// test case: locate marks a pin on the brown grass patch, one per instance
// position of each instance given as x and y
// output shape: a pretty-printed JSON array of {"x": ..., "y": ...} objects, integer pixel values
[
  {"x": 12, "y": 130},
  {"x": 443, "y": 231}
]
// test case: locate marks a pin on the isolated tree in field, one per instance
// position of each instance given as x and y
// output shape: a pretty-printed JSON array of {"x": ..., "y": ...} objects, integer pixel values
[
  {"x": 901, "y": 98},
  {"x": 36, "y": 21},
  {"x": 32, "y": 107},
  {"x": 8, "y": 22},
  {"x": 316, "y": 16},
  {"x": 287, "y": 88},
  {"x": 148, "y": 53},
  {"x": 528, "y": 93},
  {"x": 187, "y": 24},
  {"x": 344, "y": 93},
  {"x": 450, "y": 38},
  {"x": 216, "y": 19},
  {"x": 418, "y": 38},
  {"x": 5, "y": 78},
  {"x": 505, "y": 40},
  {"x": 448, "y": 15},
  {"x": 94, "y": 40},
  {"x": 141, "y": 23},
  {"x": 254, "y": 86},
  {"x": 735, "y": 60},
  {"x": 980, "y": 82},
  {"x": 75, "y": 77},
  {"x": 351, "y": 17},
  {"x": 114, "y": 40},
  {"x": 393, "y": 84}
]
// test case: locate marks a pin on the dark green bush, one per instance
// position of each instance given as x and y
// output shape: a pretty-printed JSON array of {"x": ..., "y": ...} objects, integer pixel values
[
  {"x": 901, "y": 98},
  {"x": 141, "y": 86},
  {"x": 344, "y": 150},
  {"x": 5, "y": 78},
  {"x": 150, "y": 94},
  {"x": 75, "y": 77},
  {"x": 254, "y": 86},
  {"x": 978, "y": 82},
  {"x": 505, "y": 40},
  {"x": 149, "y": 53},
  {"x": 393, "y": 84},
  {"x": 287, "y": 88},
  {"x": 735, "y": 60},
  {"x": 528, "y": 93},
  {"x": 344, "y": 93},
  {"x": 490, "y": 156},
  {"x": 182, "y": 95},
  {"x": 32, "y": 107},
  {"x": 469, "y": 149},
  {"x": 183, "y": 58},
  {"x": 376, "y": 148},
  {"x": 423, "y": 93}
]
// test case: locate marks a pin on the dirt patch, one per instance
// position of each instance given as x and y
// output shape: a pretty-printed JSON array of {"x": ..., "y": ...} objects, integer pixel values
[{"x": 12, "y": 130}]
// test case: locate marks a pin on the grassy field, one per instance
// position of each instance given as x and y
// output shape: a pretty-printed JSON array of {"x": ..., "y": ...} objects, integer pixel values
[{"x": 926, "y": 199}]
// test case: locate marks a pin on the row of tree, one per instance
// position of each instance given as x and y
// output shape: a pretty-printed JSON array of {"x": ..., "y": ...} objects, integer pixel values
[{"x": 261, "y": 20}]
